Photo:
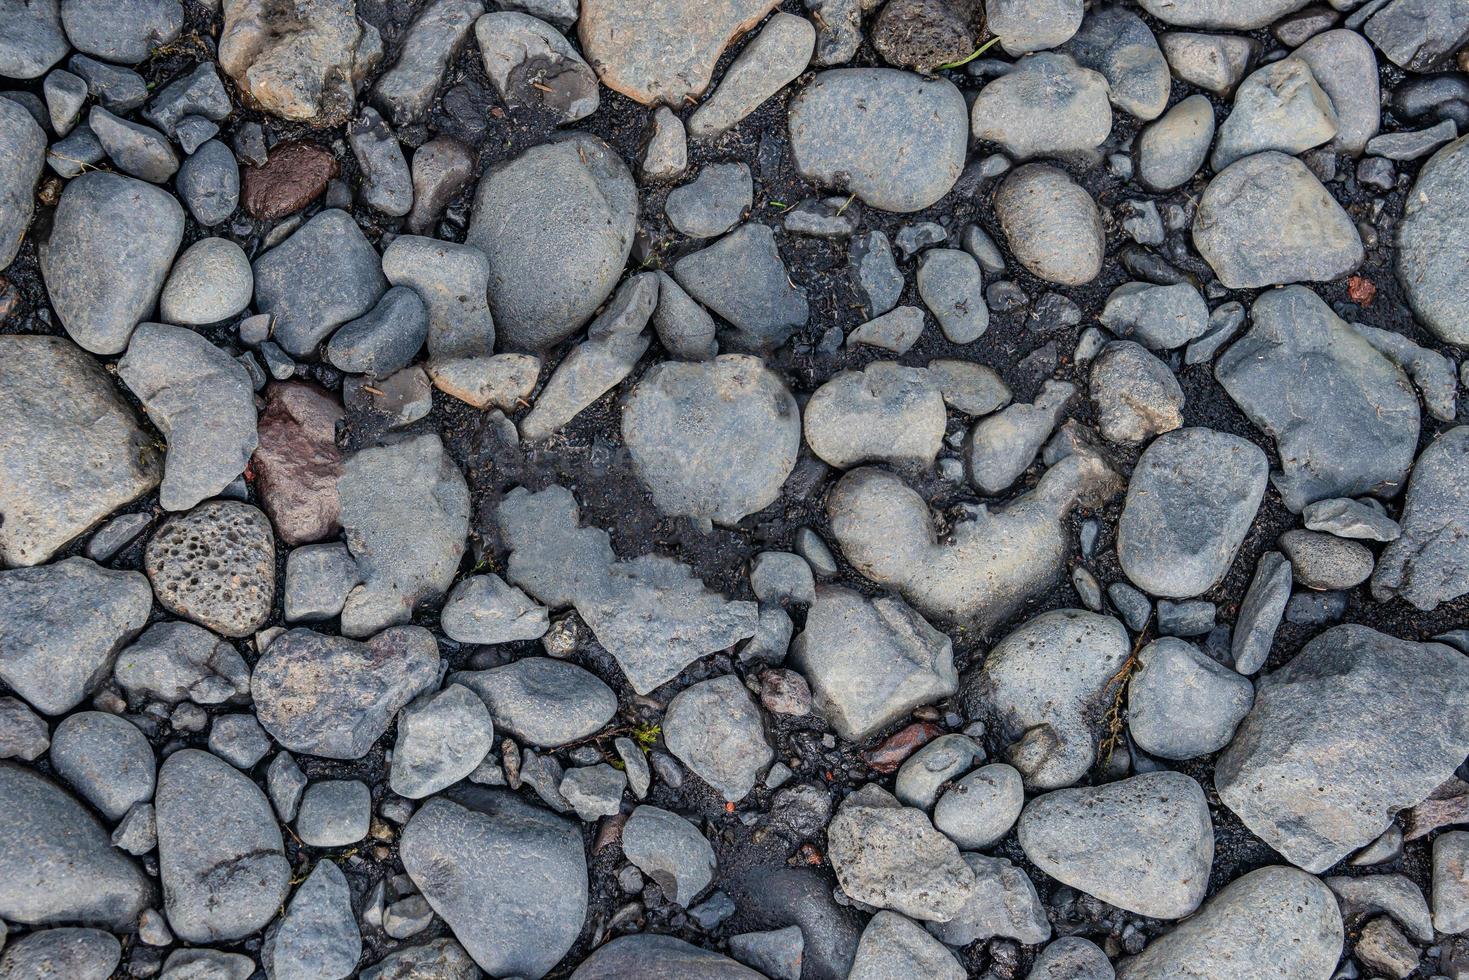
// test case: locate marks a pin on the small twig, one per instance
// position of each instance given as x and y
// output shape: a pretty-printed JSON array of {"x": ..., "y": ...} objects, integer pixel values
[
  {"x": 977, "y": 52},
  {"x": 1113, "y": 720}
]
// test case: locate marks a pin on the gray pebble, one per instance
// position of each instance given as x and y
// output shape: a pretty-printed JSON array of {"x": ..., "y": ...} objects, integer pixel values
[
  {"x": 334, "y": 813},
  {"x": 1158, "y": 317},
  {"x": 387, "y": 185},
  {"x": 1426, "y": 564},
  {"x": 542, "y": 701},
  {"x": 593, "y": 791},
  {"x": 1135, "y": 395},
  {"x": 712, "y": 203},
  {"x": 1051, "y": 224},
  {"x": 199, "y": 93},
  {"x": 106, "y": 759},
  {"x": 1002, "y": 446},
  {"x": 239, "y": 740},
  {"x": 441, "y": 168},
  {"x": 1278, "y": 107},
  {"x": 23, "y": 733},
  {"x": 286, "y": 782},
  {"x": 743, "y": 278},
  {"x": 896, "y": 331},
  {"x": 949, "y": 280},
  {"x": 1323, "y": 561},
  {"x": 924, "y": 773},
  {"x": 1430, "y": 226},
  {"x": 716, "y": 729},
  {"x": 438, "y": 32},
  {"x": 666, "y": 150},
  {"x": 1117, "y": 43},
  {"x": 1182, "y": 704},
  {"x": 829, "y": 217},
  {"x": 177, "y": 661},
  {"x": 32, "y": 41},
  {"x": 137, "y": 150},
  {"x": 1171, "y": 150},
  {"x": 483, "y": 609},
  {"x": 318, "y": 580},
  {"x": 635, "y": 764},
  {"x": 1260, "y": 612},
  {"x": 210, "y": 282},
  {"x": 209, "y": 183},
  {"x": 318, "y": 934},
  {"x": 442, "y": 737},
  {"x": 534, "y": 67},
  {"x": 767, "y": 63},
  {"x": 875, "y": 272},
  {"x": 1347, "y": 518},
  {"x": 885, "y": 412},
  {"x": 1192, "y": 617},
  {"x": 670, "y": 850},
  {"x": 383, "y": 340},
  {"x": 119, "y": 89}
]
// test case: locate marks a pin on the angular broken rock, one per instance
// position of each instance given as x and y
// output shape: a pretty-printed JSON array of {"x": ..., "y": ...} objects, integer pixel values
[
  {"x": 663, "y": 50},
  {"x": 1003, "y": 903},
  {"x": 517, "y": 914},
  {"x": 889, "y": 856},
  {"x": 1044, "y": 689},
  {"x": 1358, "y": 726},
  {"x": 870, "y": 661},
  {"x": 405, "y": 514},
  {"x": 333, "y": 697},
  {"x": 650, "y": 612},
  {"x": 1428, "y": 564},
  {"x": 987, "y": 566},
  {"x": 532, "y": 65},
  {"x": 1352, "y": 430},
  {"x": 715, "y": 728},
  {"x": 297, "y": 463},
  {"x": 59, "y": 407}
]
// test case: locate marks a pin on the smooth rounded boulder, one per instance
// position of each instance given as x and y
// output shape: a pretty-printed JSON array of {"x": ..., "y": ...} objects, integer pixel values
[{"x": 1052, "y": 224}]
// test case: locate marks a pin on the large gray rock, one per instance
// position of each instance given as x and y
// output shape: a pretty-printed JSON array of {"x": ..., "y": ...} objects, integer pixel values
[
  {"x": 896, "y": 948},
  {"x": 220, "y": 856},
  {"x": 743, "y": 278},
  {"x": 202, "y": 400},
  {"x": 317, "y": 938},
  {"x": 1353, "y": 430},
  {"x": 32, "y": 39},
  {"x": 713, "y": 440},
  {"x": 1190, "y": 503},
  {"x": 125, "y": 32},
  {"x": 1277, "y": 107},
  {"x": 557, "y": 225},
  {"x": 22, "y": 156},
  {"x": 716, "y": 729},
  {"x": 442, "y": 737},
  {"x": 534, "y": 67},
  {"x": 1356, "y": 727},
  {"x": 405, "y": 515},
  {"x": 1266, "y": 220},
  {"x": 650, "y": 612},
  {"x": 1428, "y": 564},
  {"x": 333, "y": 697},
  {"x": 884, "y": 413},
  {"x": 57, "y": 407},
  {"x": 671, "y": 851},
  {"x": 518, "y": 914},
  {"x": 649, "y": 954},
  {"x": 77, "y": 954},
  {"x": 112, "y": 242},
  {"x": 1432, "y": 239},
  {"x": 986, "y": 566},
  {"x": 1221, "y": 14},
  {"x": 889, "y": 856},
  {"x": 1182, "y": 704},
  {"x": 870, "y": 661},
  {"x": 1048, "y": 105},
  {"x": 1344, "y": 66},
  {"x": 1274, "y": 920},
  {"x": 106, "y": 759},
  {"x": 1418, "y": 35},
  {"x": 324, "y": 275},
  {"x": 61, "y": 626},
  {"x": 1043, "y": 687},
  {"x": 57, "y": 863},
  {"x": 543, "y": 702},
  {"x": 1143, "y": 844},
  {"x": 1119, "y": 44},
  {"x": 1052, "y": 224},
  {"x": 895, "y": 139}
]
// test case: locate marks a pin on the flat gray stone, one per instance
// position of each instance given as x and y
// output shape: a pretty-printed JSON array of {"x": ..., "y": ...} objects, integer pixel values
[
  {"x": 1048, "y": 105},
  {"x": 1418, "y": 35},
  {"x": 517, "y": 915},
  {"x": 333, "y": 697},
  {"x": 1344, "y": 517},
  {"x": 1158, "y": 317},
  {"x": 716, "y": 729},
  {"x": 895, "y": 331},
  {"x": 23, "y": 733},
  {"x": 1427, "y": 565},
  {"x": 318, "y": 579},
  {"x": 743, "y": 278},
  {"x": 220, "y": 856},
  {"x": 318, "y": 934},
  {"x": 1182, "y": 704},
  {"x": 541, "y": 701},
  {"x": 442, "y": 737},
  {"x": 874, "y": 272},
  {"x": 593, "y": 791},
  {"x": 671, "y": 851},
  {"x": 126, "y": 32},
  {"x": 1317, "y": 785},
  {"x": 884, "y": 413},
  {"x": 1260, "y": 612},
  {"x": 534, "y": 67},
  {"x": 1431, "y": 236},
  {"x": 22, "y": 156},
  {"x": 1451, "y": 881},
  {"x": 137, "y": 150},
  {"x": 713, "y": 202},
  {"x": 556, "y": 224},
  {"x": 925, "y": 772},
  {"x": 1171, "y": 150},
  {"x": 1361, "y": 898},
  {"x": 950, "y": 282},
  {"x": 1023, "y": 28},
  {"x": 437, "y": 959},
  {"x": 1352, "y": 431},
  {"x": 106, "y": 759},
  {"x": 685, "y": 328},
  {"x": 1277, "y": 107},
  {"x": 78, "y": 954},
  {"x": 769, "y": 62},
  {"x": 968, "y": 386},
  {"x": 1051, "y": 224},
  {"x": 1191, "y": 500},
  {"x": 101, "y": 292},
  {"x": 1325, "y": 562},
  {"x": 636, "y": 955},
  {"x": 384, "y": 339},
  {"x": 895, "y": 139},
  {"x": 334, "y": 813}
]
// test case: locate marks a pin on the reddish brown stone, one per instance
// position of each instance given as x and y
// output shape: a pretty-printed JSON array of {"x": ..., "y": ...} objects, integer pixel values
[
  {"x": 888, "y": 756},
  {"x": 294, "y": 175},
  {"x": 296, "y": 466}
]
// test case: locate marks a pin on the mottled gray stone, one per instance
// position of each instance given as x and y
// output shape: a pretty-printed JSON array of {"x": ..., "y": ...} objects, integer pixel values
[
  {"x": 856, "y": 130},
  {"x": 1395, "y": 894},
  {"x": 286, "y": 782},
  {"x": 1117, "y": 43},
  {"x": 1051, "y": 224},
  {"x": 950, "y": 282},
  {"x": 1171, "y": 150},
  {"x": 32, "y": 39},
  {"x": 317, "y": 937},
  {"x": 406, "y": 90},
  {"x": 1322, "y": 561},
  {"x": 544, "y": 702},
  {"x": 215, "y": 565},
  {"x": 713, "y": 202},
  {"x": 884, "y": 413},
  {"x": 874, "y": 272},
  {"x": 1419, "y": 35},
  {"x": 1003, "y": 904},
  {"x": 685, "y": 328},
  {"x": 517, "y": 915},
  {"x": 671, "y": 851},
  {"x": 1182, "y": 704},
  {"x": 177, "y": 661},
  {"x": 239, "y": 740},
  {"x": 211, "y": 281},
  {"x": 1136, "y": 395},
  {"x": 1025, "y": 27},
  {"x": 437, "y": 959},
  {"x": 77, "y": 954},
  {"x": 979, "y": 809},
  {"x": 383, "y": 340},
  {"x": 1355, "y": 727},
  {"x": 556, "y": 224},
  {"x": 106, "y": 759},
  {"x": 138, "y": 150},
  {"x": 1429, "y": 563},
  {"x": 334, "y": 813},
  {"x": 125, "y": 32},
  {"x": 969, "y": 387},
  {"x": 896, "y": 331},
  {"x": 924, "y": 773},
  {"x": 1278, "y": 107},
  {"x": 209, "y": 183},
  {"x": 594, "y": 791},
  {"x": 1072, "y": 958},
  {"x": 1048, "y": 105},
  {"x": 483, "y": 609},
  {"x": 1213, "y": 62},
  {"x": 770, "y": 61},
  {"x": 1353, "y": 430},
  {"x": 1451, "y": 882},
  {"x": 1158, "y": 317},
  {"x": 23, "y": 733},
  {"x": 715, "y": 728},
  {"x": 743, "y": 278},
  {"x": 1344, "y": 517},
  {"x": 442, "y": 737},
  {"x": 1260, "y": 612},
  {"x": 452, "y": 280},
  {"x": 220, "y": 855},
  {"x": 896, "y": 948},
  {"x": 318, "y": 579},
  {"x": 22, "y": 155}
]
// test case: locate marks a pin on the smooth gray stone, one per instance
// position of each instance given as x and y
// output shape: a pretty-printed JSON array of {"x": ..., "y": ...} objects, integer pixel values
[
  {"x": 1361, "y": 898},
  {"x": 779, "y": 576},
  {"x": 517, "y": 915},
  {"x": 777, "y": 953},
  {"x": 202, "y": 400},
  {"x": 106, "y": 759},
  {"x": 875, "y": 272},
  {"x": 870, "y": 661},
  {"x": 405, "y": 515},
  {"x": 650, "y": 613},
  {"x": 923, "y": 773},
  {"x": 442, "y": 737},
  {"x": 534, "y": 68},
  {"x": 58, "y": 863},
  {"x": 1277, "y": 107},
  {"x": 318, "y": 579},
  {"x": 1352, "y": 431},
  {"x": 209, "y": 183},
  {"x": 1051, "y": 224},
  {"x": 211, "y": 816},
  {"x": 969, "y": 387},
  {"x": 826, "y": 217},
  {"x": 483, "y": 609},
  {"x": 743, "y": 278},
  {"x": 239, "y": 740},
  {"x": 383, "y": 340},
  {"x": 1418, "y": 35},
  {"x": 1388, "y": 730},
  {"x": 1213, "y": 62},
  {"x": 593, "y": 791},
  {"x": 1431, "y": 371},
  {"x": 716, "y": 729},
  {"x": 1072, "y": 958},
  {"x": 1023, "y": 27},
  {"x": 713, "y": 202},
  {"x": 22, "y": 156},
  {"x": 137, "y": 150},
  {"x": 1117, "y": 43},
  {"x": 1346, "y": 69},
  {"x": 1322, "y": 561},
  {"x": 648, "y": 954},
  {"x": 884, "y": 413},
  {"x": 318, "y": 934},
  {"x": 324, "y": 275},
  {"x": 1191, "y": 500},
  {"x": 31, "y": 38},
  {"x": 541, "y": 701},
  {"x": 1046, "y": 106},
  {"x": 685, "y": 328},
  {"x": 1265, "y": 220},
  {"x": 119, "y": 89},
  {"x": 1171, "y": 150},
  {"x": 334, "y": 813},
  {"x": 978, "y": 810},
  {"x": 1430, "y": 234},
  {"x": 557, "y": 224},
  {"x": 1260, "y": 612},
  {"x": 713, "y": 440},
  {"x": 1429, "y": 563},
  {"x": 62, "y": 625},
  {"x": 1348, "y": 518},
  {"x": 113, "y": 239},
  {"x": 438, "y": 32},
  {"x": 452, "y": 281},
  {"x": 437, "y": 959},
  {"x": 386, "y": 183},
  {"x": 950, "y": 283},
  {"x": 178, "y": 661},
  {"x": 210, "y": 282},
  {"x": 332, "y": 696},
  {"x": 838, "y": 30},
  {"x": 70, "y": 157},
  {"x": 1221, "y": 14},
  {"x": 1183, "y": 704},
  {"x": 123, "y": 31},
  {"x": 1001, "y": 447},
  {"x": 1224, "y": 323},
  {"x": 1450, "y": 896},
  {"x": 671, "y": 851},
  {"x": 857, "y": 129},
  {"x": 77, "y": 954},
  {"x": 666, "y": 150},
  {"x": 895, "y": 331}
]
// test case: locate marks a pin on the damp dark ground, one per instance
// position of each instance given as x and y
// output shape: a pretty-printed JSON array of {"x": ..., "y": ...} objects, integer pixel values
[{"x": 588, "y": 457}]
